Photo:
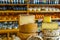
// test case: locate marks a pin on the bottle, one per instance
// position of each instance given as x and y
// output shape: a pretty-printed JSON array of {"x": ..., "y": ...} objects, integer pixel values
[
  {"x": 0, "y": 25},
  {"x": 34, "y": 1},
  {"x": 59, "y": 1},
  {"x": 47, "y": 2},
  {"x": 12, "y": 2},
  {"x": 3, "y": 1},
  {"x": 41, "y": 2},
  {"x": 5, "y": 25},
  {"x": 17, "y": 1},
  {"x": 0, "y": 1},
  {"x": 8, "y": 1},
  {"x": 10, "y": 25},
  {"x": 4, "y": 8},
  {"x": 20, "y": 1},
  {"x": 56, "y": 1},
  {"x": 44, "y": 1},
  {"x": 37, "y": 1}
]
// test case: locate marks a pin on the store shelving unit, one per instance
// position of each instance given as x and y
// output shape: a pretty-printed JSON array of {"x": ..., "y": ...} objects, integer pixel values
[{"x": 27, "y": 12}]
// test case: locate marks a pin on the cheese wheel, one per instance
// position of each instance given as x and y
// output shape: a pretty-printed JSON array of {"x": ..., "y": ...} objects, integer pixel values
[
  {"x": 28, "y": 28},
  {"x": 24, "y": 36},
  {"x": 34, "y": 38},
  {"x": 25, "y": 19}
]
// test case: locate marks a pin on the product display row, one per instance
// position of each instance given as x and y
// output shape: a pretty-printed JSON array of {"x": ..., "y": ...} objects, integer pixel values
[
  {"x": 16, "y": 8},
  {"x": 41, "y": 16},
  {"x": 12, "y": 37},
  {"x": 30, "y": 1},
  {"x": 44, "y": 2},
  {"x": 9, "y": 25},
  {"x": 3, "y": 37},
  {"x": 43, "y": 9},
  {"x": 8, "y": 18},
  {"x": 12, "y": 1}
]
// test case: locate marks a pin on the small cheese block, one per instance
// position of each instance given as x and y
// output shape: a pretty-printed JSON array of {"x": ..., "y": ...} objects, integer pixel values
[
  {"x": 27, "y": 28},
  {"x": 47, "y": 19},
  {"x": 53, "y": 25},
  {"x": 25, "y": 19}
]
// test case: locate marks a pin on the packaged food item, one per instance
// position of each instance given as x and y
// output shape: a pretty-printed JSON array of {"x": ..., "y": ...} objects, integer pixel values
[
  {"x": 35, "y": 9},
  {"x": 47, "y": 19},
  {"x": 52, "y": 26},
  {"x": 30, "y": 9},
  {"x": 51, "y": 38}
]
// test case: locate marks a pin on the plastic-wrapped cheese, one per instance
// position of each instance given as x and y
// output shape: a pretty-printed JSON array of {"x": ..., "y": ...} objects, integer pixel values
[
  {"x": 26, "y": 35},
  {"x": 53, "y": 25},
  {"x": 51, "y": 33},
  {"x": 25, "y": 19},
  {"x": 28, "y": 28},
  {"x": 47, "y": 19}
]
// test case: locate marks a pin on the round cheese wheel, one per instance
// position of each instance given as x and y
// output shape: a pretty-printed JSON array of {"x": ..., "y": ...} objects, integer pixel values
[
  {"x": 28, "y": 28},
  {"x": 24, "y": 36},
  {"x": 35, "y": 38}
]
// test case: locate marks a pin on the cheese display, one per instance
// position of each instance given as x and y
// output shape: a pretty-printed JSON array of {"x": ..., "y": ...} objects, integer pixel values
[
  {"x": 25, "y": 19},
  {"x": 51, "y": 32},
  {"x": 51, "y": 38},
  {"x": 47, "y": 19},
  {"x": 53, "y": 25},
  {"x": 35, "y": 38},
  {"x": 29, "y": 28},
  {"x": 26, "y": 35}
]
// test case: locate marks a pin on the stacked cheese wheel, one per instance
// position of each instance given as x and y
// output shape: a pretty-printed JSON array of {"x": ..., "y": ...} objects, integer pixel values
[
  {"x": 27, "y": 26},
  {"x": 28, "y": 30}
]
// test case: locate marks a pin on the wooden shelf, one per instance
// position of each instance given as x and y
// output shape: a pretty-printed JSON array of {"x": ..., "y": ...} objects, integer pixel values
[
  {"x": 43, "y": 11},
  {"x": 13, "y": 4},
  {"x": 51, "y": 19},
  {"x": 7, "y": 20},
  {"x": 55, "y": 18},
  {"x": 13, "y": 11},
  {"x": 9, "y": 31},
  {"x": 44, "y": 4}
]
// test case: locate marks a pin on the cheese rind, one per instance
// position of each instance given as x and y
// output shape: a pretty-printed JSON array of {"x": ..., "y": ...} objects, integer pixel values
[{"x": 29, "y": 28}]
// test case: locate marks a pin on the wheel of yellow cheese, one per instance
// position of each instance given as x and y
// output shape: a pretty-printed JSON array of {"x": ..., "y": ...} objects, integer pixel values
[{"x": 29, "y": 28}]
